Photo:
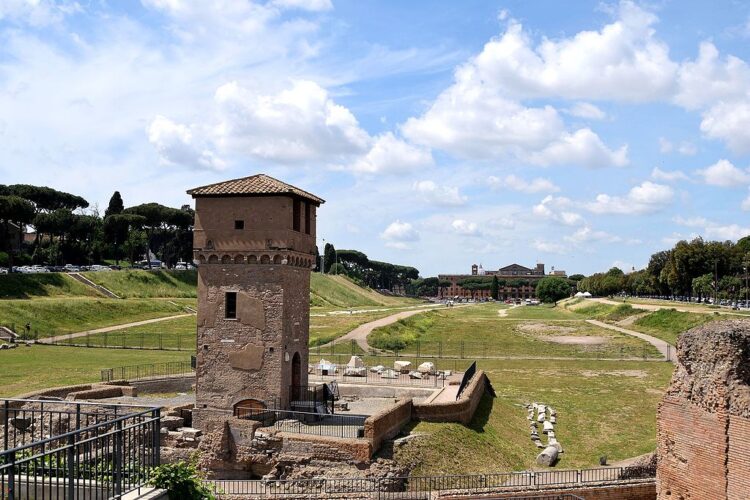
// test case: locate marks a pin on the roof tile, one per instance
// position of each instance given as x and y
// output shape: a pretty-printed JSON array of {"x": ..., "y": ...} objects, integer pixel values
[{"x": 259, "y": 184}]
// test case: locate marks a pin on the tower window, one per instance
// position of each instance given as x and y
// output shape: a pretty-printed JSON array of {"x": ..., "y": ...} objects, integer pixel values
[
  {"x": 239, "y": 224},
  {"x": 296, "y": 212},
  {"x": 307, "y": 218},
  {"x": 230, "y": 305}
]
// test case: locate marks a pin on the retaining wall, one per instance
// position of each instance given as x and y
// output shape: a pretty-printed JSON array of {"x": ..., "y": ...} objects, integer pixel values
[
  {"x": 461, "y": 410},
  {"x": 326, "y": 448},
  {"x": 388, "y": 422},
  {"x": 641, "y": 490}
]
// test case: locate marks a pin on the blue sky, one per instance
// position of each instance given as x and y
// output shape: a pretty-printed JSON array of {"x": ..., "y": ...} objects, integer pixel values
[{"x": 578, "y": 134}]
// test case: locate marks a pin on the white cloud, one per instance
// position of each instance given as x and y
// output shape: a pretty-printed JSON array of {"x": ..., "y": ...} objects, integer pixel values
[
  {"x": 548, "y": 246},
  {"x": 729, "y": 122},
  {"x": 390, "y": 154},
  {"x": 465, "y": 228},
  {"x": 536, "y": 185},
  {"x": 746, "y": 204},
  {"x": 665, "y": 145},
  {"x": 668, "y": 175},
  {"x": 727, "y": 232},
  {"x": 176, "y": 145},
  {"x": 557, "y": 208},
  {"x": 623, "y": 60},
  {"x": 691, "y": 221},
  {"x": 724, "y": 174},
  {"x": 37, "y": 13},
  {"x": 587, "y": 234},
  {"x": 645, "y": 198},
  {"x": 708, "y": 80},
  {"x": 299, "y": 124},
  {"x": 399, "y": 234},
  {"x": 583, "y": 147},
  {"x": 586, "y": 110},
  {"x": 687, "y": 148},
  {"x": 311, "y": 5},
  {"x": 435, "y": 194}
]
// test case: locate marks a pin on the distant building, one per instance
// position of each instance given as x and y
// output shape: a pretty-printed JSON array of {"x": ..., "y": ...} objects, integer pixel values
[{"x": 515, "y": 282}]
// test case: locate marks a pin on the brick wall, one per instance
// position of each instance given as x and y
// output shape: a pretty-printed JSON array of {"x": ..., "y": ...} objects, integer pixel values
[
  {"x": 326, "y": 448},
  {"x": 642, "y": 490},
  {"x": 691, "y": 450},
  {"x": 738, "y": 463},
  {"x": 388, "y": 422},
  {"x": 455, "y": 411}
]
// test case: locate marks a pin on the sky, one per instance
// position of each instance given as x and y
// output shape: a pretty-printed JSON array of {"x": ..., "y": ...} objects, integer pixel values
[{"x": 583, "y": 135}]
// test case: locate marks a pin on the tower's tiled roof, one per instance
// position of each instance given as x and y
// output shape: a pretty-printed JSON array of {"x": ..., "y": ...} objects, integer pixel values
[{"x": 259, "y": 184}]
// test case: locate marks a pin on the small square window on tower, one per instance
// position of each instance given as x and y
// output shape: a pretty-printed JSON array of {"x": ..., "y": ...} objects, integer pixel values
[
  {"x": 230, "y": 305},
  {"x": 239, "y": 224}
]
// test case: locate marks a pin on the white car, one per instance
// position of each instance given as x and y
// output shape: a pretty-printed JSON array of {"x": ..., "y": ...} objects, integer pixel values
[{"x": 3, "y": 270}]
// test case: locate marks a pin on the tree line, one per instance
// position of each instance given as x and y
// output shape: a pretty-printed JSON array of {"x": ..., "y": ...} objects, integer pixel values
[
  {"x": 372, "y": 273},
  {"x": 69, "y": 231},
  {"x": 695, "y": 268}
]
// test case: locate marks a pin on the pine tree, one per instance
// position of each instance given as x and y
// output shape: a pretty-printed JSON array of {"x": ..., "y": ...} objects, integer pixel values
[
  {"x": 116, "y": 205},
  {"x": 495, "y": 288}
]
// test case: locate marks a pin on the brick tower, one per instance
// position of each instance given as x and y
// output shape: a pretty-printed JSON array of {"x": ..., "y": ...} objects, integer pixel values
[{"x": 254, "y": 242}]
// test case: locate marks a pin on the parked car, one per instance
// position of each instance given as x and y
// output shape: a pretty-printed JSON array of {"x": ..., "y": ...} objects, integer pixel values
[{"x": 3, "y": 270}]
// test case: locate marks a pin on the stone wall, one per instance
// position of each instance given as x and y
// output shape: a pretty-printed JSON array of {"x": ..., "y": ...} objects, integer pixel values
[
  {"x": 461, "y": 410},
  {"x": 704, "y": 418},
  {"x": 325, "y": 448},
  {"x": 641, "y": 490},
  {"x": 388, "y": 422}
]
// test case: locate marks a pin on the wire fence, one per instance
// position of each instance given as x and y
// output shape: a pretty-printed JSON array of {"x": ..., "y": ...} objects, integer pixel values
[
  {"x": 424, "y": 486},
  {"x": 76, "y": 450}
]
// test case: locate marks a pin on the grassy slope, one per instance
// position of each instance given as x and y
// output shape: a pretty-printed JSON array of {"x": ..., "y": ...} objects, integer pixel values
[
  {"x": 27, "y": 286},
  {"x": 331, "y": 292},
  {"x": 667, "y": 324},
  {"x": 604, "y": 408},
  {"x": 146, "y": 284},
  {"x": 26, "y": 369},
  {"x": 74, "y": 314},
  {"x": 483, "y": 331}
]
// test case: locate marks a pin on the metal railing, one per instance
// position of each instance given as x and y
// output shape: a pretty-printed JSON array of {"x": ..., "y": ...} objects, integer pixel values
[
  {"x": 150, "y": 370},
  {"x": 58, "y": 449},
  {"x": 311, "y": 398},
  {"x": 127, "y": 340},
  {"x": 301, "y": 422},
  {"x": 423, "y": 486},
  {"x": 468, "y": 375}
]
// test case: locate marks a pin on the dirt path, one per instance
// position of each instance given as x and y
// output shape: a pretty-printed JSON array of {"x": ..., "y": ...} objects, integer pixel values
[
  {"x": 62, "y": 338},
  {"x": 664, "y": 348},
  {"x": 360, "y": 333}
]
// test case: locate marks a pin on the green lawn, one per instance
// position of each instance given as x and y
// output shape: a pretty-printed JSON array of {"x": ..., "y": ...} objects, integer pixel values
[
  {"x": 667, "y": 324},
  {"x": 480, "y": 331},
  {"x": 604, "y": 312},
  {"x": 67, "y": 315},
  {"x": 178, "y": 333},
  {"x": 147, "y": 284},
  {"x": 25, "y": 369},
  {"x": 27, "y": 286},
  {"x": 333, "y": 292},
  {"x": 324, "y": 329},
  {"x": 604, "y": 408}
]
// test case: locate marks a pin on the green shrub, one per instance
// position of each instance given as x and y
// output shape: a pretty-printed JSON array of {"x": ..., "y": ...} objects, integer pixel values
[{"x": 182, "y": 480}]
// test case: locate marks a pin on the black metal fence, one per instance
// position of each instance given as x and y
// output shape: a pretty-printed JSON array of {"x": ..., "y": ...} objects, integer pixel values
[
  {"x": 423, "y": 486},
  {"x": 128, "y": 340},
  {"x": 386, "y": 376},
  {"x": 317, "y": 398},
  {"x": 57, "y": 449},
  {"x": 468, "y": 375},
  {"x": 299, "y": 422},
  {"x": 136, "y": 372}
]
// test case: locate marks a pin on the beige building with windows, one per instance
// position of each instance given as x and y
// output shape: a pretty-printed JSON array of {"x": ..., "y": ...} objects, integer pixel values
[
  {"x": 515, "y": 282},
  {"x": 254, "y": 243}
]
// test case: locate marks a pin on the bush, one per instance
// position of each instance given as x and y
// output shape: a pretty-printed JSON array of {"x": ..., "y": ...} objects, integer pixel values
[
  {"x": 4, "y": 259},
  {"x": 181, "y": 480}
]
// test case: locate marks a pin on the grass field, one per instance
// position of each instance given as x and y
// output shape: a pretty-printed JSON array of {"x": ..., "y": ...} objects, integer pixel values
[
  {"x": 147, "y": 284},
  {"x": 57, "y": 316},
  {"x": 27, "y": 286},
  {"x": 25, "y": 369},
  {"x": 337, "y": 292},
  {"x": 667, "y": 324},
  {"x": 480, "y": 331},
  {"x": 604, "y": 408}
]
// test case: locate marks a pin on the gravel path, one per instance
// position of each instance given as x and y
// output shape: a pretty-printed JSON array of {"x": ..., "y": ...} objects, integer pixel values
[
  {"x": 62, "y": 338},
  {"x": 664, "y": 348}
]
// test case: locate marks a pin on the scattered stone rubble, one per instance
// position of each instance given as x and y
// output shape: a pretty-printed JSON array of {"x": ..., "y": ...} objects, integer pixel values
[{"x": 545, "y": 416}]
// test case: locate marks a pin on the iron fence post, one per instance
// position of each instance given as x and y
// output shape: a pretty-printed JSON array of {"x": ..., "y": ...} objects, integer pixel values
[
  {"x": 12, "y": 477},
  {"x": 156, "y": 428},
  {"x": 117, "y": 459},
  {"x": 70, "y": 458},
  {"x": 6, "y": 409}
]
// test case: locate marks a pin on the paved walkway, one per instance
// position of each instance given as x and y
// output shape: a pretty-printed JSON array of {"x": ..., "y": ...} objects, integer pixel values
[
  {"x": 63, "y": 338},
  {"x": 697, "y": 309},
  {"x": 664, "y": 348}
]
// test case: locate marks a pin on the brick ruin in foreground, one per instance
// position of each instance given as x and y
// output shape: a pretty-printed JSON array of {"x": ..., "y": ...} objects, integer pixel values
[{"x": 704, "y": 418}]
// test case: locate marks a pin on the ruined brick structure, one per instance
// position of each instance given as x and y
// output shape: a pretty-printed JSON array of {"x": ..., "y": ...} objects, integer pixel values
[
  {"x": 704, "y": 418},
  {"x": 254, "y": 242}
]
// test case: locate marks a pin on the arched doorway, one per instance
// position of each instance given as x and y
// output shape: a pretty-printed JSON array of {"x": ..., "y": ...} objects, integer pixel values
[
  {"x": 296, "y": 377},
  {"x": 248, "y": 407}
]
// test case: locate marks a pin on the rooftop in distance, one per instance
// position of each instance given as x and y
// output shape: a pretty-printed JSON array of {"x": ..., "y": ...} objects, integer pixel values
[{"x": 259, "y": 184}]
